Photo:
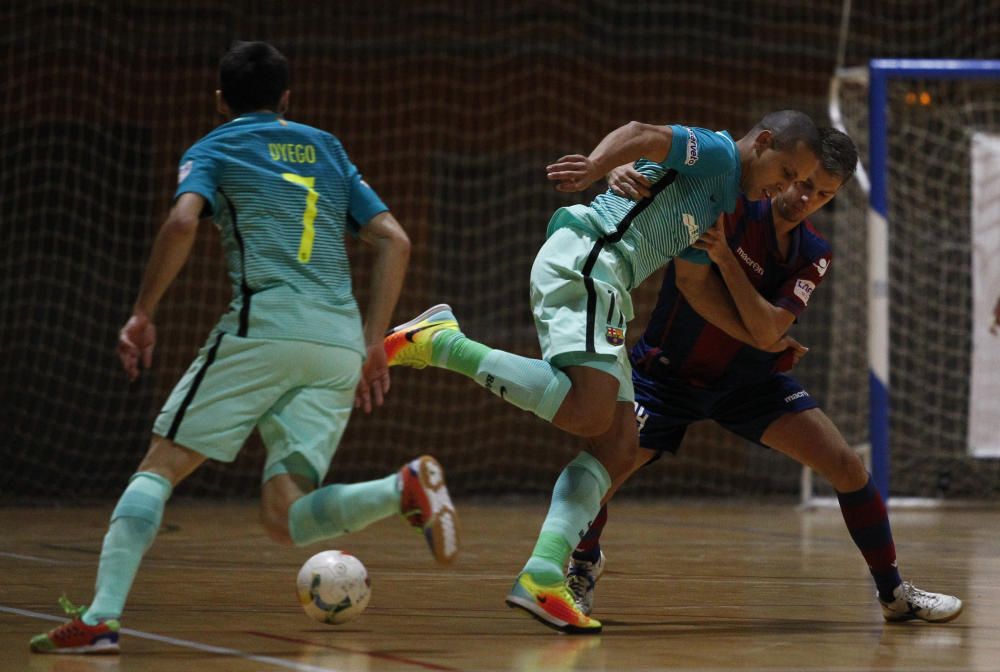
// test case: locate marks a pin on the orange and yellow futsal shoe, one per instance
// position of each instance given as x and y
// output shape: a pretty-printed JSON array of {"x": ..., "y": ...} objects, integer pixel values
[
  {"x": 426, "y": 505},
  {"x": 553, "y": 605},
  {"x": 409, "y": 344},
  {"x": 76, "y": 636}
]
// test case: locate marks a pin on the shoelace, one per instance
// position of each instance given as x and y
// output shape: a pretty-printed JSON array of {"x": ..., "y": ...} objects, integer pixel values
[
  {"x": 71, "y": 610},
  {"x": 919, "y": 598}
]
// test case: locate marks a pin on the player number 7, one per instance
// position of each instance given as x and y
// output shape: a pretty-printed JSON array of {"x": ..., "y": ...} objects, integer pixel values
[{"x": 308, "y": 217}]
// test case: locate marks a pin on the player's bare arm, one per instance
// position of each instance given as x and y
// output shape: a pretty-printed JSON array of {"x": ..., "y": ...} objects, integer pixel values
[
  {"x": 171, "y": 249},
  {"x": 710, "y": 298},
  {"x": 766, "y": 322},
  {"x": 628, "y": 182},
  {"x": 392, "y": 254},
  {"x": 626, "y": 144},
  {"x": 707, "y": 294}
]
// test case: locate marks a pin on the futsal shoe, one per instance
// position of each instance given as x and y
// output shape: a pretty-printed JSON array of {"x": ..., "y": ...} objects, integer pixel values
[
  {"x": 410, "y": 343},
  {"x": 552, "y": 605},
  {"x": 426, "y": 505},
  {"x": 911, "y": 603},
  {"x": 75, "y": 636},
  {"x": 581, "y": 577}
]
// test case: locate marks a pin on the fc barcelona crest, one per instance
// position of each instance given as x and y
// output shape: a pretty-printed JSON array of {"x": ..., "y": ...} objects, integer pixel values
[{"x": 615, "y": 335}]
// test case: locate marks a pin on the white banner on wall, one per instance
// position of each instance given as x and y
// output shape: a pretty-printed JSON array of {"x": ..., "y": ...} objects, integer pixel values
[{"x": 984, "y": 392}]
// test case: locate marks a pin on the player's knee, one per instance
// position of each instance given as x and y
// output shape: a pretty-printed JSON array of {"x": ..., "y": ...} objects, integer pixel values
[{"x": 847, "y": 472}]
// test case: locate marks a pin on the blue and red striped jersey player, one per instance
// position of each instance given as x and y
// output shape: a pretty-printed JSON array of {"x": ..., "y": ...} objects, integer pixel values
[{"x": 715, "y": 348}]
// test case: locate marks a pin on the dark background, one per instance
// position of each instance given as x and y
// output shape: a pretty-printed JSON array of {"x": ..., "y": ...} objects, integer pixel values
[{"x": 451, "y": 110}]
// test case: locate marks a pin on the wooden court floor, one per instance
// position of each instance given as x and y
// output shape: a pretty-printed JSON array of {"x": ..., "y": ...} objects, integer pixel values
[{"x": 688, "y": 587}]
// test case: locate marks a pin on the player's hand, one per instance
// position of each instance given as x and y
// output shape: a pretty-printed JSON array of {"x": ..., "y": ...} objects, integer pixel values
[
  {"x": 374, "y": 383},
  {"x": 791, "y": 351},
  {"x": 136, "y": 341},
  {"x": 572, "y": 173},
  {"x": 714, "y": 242},
  {"x": 628, "y": 182}
]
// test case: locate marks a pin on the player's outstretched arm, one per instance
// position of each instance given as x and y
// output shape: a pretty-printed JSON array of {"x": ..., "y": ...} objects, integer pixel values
[
  {"x": 625, "y": 144},
  {"x": 171, "y": 249},
  {"x": 392, "y": 254}
]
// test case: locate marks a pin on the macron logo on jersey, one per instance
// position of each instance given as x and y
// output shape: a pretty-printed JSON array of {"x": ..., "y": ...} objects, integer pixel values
[
  {"x": 822, "y": 266},
  {"x": 804, "y": 290},
  {"x": 692, "y": 149},
  {"x": 754, "y": 266},
  {"x": 184, "y": 171}
]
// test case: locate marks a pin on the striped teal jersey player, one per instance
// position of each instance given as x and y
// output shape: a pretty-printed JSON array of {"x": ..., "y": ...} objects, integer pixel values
[
  {"x": 283, "y": 195},
  {"x": 697, "y": 181}
]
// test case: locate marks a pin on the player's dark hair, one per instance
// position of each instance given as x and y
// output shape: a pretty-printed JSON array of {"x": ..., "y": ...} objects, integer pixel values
[
  {"x": 252, "y": 76},
  {"x": 839, "y": 156},
  {"x": 789, "y": 128}
]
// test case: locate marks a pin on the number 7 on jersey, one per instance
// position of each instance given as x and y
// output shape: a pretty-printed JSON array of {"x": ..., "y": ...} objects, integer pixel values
[{"x": 308, "y": 217}]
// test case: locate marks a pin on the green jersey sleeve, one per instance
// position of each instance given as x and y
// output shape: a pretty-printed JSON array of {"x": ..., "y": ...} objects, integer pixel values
[{"x": 700, "y": 153}]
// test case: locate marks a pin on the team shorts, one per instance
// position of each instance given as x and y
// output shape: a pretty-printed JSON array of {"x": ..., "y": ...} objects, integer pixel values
[
  {"x": 298, "y": 394},
  {"x": 581, "y": 304},
  {"x": 665, "y": 408}
]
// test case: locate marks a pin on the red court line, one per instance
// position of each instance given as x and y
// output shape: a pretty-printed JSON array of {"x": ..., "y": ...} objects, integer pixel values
[{"x": 373, "y": 654}]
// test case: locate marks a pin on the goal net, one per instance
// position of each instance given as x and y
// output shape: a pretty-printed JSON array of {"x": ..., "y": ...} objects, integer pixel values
[
  {"x": 451, "y": 111},
  {"x": 931, "y": 122}
]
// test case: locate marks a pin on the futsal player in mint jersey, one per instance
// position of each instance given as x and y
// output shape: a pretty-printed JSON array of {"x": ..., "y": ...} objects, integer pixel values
[
  {"x": 287, "y": 356},
  {"x": 581, "y": 281},
  {"x": 701, "y": 358}
]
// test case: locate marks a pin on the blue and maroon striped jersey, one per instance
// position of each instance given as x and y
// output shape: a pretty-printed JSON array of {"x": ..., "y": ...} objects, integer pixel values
[{"x": 679, "y": 343}]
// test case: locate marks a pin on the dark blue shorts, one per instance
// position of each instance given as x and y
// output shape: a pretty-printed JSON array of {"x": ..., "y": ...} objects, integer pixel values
[{"x": 664, "y": 408}]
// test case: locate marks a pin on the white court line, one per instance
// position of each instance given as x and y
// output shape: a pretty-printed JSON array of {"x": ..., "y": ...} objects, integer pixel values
[
  {"x": 48, "y": 561},
  {"x": 185, "y": 643}
]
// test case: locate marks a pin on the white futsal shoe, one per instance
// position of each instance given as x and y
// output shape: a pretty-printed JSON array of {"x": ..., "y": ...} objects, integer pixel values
[
  {"x": 581, "y": 577},
  {"x": 911, "y": 603}
]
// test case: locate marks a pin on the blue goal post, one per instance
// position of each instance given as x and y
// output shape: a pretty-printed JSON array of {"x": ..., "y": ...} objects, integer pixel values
[{"x": 880, "y": 72}]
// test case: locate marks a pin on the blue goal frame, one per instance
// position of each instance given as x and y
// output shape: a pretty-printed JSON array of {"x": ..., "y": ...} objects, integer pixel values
[{"x": 880, "y": 71}]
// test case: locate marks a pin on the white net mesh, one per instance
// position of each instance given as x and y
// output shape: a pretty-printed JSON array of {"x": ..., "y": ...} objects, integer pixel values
[
  {"x": 930, "y": 128},
  {"x": 451, "y": 110}
]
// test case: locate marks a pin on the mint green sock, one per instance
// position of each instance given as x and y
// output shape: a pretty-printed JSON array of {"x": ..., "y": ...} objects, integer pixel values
[
  {"x": 337, "y": 509},
  {"x": 530, "y": 384},
  {"x": 576, "y": 501},
  {"x": 134, "y": 524}
]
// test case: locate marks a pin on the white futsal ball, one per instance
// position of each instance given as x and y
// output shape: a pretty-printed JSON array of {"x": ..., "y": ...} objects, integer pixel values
[{"x": 334, "y": 587}]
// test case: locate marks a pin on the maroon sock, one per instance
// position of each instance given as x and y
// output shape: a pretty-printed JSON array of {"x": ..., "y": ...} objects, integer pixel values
[
  {"x": 868, "y": 522},
  {"x": 589, "y": 548}
]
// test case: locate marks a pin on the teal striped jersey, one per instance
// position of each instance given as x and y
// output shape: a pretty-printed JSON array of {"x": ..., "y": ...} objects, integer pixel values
[
  {"x": 697, "y": 181},
  {"x": 283, "y": 196}
]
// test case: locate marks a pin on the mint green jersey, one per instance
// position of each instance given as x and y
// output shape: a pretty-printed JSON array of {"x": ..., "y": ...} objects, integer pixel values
[
  {"x": 283, "y": 196},
  {"x": 698, "y": 181}
]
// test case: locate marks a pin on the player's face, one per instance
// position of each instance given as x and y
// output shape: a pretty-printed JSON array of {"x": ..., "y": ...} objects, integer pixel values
[
  {"x": 804, "y": 197},
  {"x": 772, "y": 171}
]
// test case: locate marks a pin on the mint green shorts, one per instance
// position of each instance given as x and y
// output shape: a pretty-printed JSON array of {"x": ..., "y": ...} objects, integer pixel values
[
  {"x": 298, "y": 394},
  {"x": 581, "y": 304}
]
